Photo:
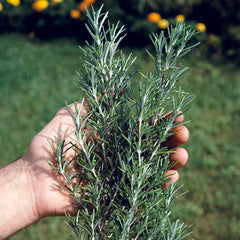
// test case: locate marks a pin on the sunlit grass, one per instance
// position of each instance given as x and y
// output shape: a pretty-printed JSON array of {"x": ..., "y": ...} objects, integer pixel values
[{"x": 36, "y": 79}]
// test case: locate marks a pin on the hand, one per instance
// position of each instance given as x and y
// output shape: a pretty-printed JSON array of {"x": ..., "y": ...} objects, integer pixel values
[
  {"x": 30, "y": 179},
  {"x": 26, "y": 191},
  {"x": 51, "y": 201}
]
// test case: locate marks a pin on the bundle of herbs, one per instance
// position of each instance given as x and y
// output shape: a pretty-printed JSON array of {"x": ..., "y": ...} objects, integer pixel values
[{"x": 120, "y": 189}]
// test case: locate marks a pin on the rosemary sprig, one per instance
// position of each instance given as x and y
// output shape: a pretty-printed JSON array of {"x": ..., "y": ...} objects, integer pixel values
[{"x": 120, "y": 142}]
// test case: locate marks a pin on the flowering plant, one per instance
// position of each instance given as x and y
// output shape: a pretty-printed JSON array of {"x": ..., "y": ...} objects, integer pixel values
[
  {"x": 38, "y": 17},
  {"x": 119, "y": 144}
]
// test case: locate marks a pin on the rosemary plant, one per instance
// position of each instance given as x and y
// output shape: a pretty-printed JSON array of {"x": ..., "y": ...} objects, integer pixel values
[{"x": 119, "y": 146}]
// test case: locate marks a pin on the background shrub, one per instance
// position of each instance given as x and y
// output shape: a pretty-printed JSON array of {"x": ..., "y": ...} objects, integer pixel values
[
  {"x": 65, "y": 17},
  {"x": 43, "y": 18}
]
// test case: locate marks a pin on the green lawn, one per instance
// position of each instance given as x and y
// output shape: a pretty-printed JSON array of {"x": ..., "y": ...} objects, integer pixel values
[{"x": 37, "y": 78}]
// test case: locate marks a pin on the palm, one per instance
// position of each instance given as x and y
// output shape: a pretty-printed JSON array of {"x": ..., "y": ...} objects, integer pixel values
[{"x": 50, "y": 200}]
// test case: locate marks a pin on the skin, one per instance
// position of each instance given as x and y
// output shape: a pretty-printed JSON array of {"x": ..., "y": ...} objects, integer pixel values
[{"x": 26, "y": 190}]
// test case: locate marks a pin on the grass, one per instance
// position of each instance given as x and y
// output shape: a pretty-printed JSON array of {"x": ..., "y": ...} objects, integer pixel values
[
  {"x": 212, "y": 173},
  {"x": 36, "y": 79}
]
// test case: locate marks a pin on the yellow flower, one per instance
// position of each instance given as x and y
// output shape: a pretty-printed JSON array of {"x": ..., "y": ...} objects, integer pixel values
[
  {"x": 153, "y": 17},
  {"x": 75, "y": 14},
  {"x": 85, "y": 4},
  {"x": 14, "y": 2},
  {"x": 180, "y": 18},
  {"x": 40, "y": 5},
  {"x": 163, "y": 23},
  {"x": 1, "y": 7},
  {"x": 201, "y": 27}
]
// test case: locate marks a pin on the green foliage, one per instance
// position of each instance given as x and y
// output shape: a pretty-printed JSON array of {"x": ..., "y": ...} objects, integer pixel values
[
  {"x": 220, "y": 17},
  {"x": 53, "y": 20},
  {"x": 119, "y": 143}
]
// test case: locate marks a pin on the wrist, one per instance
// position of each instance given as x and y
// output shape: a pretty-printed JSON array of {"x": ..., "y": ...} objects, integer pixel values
[{"x": 17, "y": 201}]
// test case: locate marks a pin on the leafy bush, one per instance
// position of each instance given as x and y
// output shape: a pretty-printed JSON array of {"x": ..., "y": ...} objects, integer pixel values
[
  {"x": 125, "y": 162},
  {"x": 43, "y": 17},
  {"x": 62, "y": 17}
]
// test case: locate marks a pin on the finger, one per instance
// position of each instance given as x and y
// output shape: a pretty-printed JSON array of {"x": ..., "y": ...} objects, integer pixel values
[
  {"x": 172, "y": 176},
  {"x": 180, "y": 137},
  {"x": 179, "y": 157},
  {"x": 179, "y": 119}
]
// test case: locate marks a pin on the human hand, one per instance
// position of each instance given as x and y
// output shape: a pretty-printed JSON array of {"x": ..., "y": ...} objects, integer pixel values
[
  {"x": 26, "y": 191},
  {"x": 50, "y": 200},
  {"x": 30, "y": 179}
]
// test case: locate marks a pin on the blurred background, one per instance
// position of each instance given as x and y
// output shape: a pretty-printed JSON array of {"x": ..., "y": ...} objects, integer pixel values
[{"x": 39, "y": 56}]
